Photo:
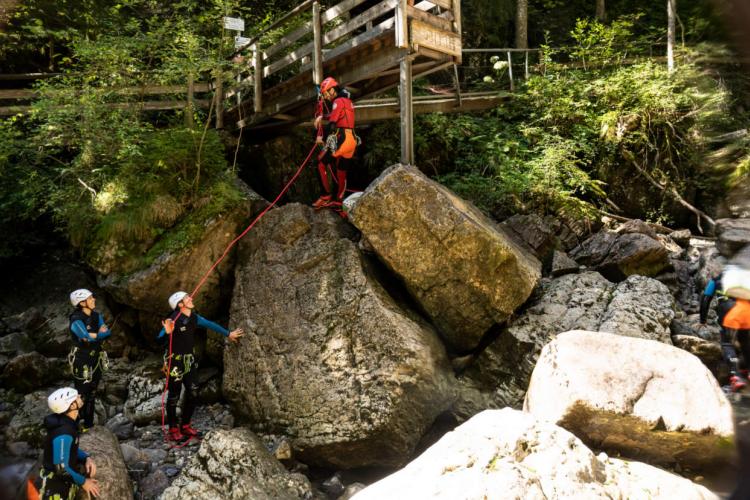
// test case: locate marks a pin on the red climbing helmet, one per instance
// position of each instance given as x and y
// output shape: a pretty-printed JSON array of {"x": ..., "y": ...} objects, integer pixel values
[{"x": 328, "y": 83}]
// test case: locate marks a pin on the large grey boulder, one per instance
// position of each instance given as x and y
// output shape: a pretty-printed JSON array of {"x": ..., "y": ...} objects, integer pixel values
[
  {"x": 643, "y": 399},
  {"x": 147, "y": 289},
  {"x": 111, "y": 472},
  {"x": 144, "y": 403},
  {"x": 543, "y": 235},
  {"x": 510, "y": 454},
  {"x": 638, "y": 307},
  {"x": 31, "y": 370},
  {"x": 328, "y": 358},
  {"x": 617, "y": 256},
  {"x": 235, "y": 464},
  {"x": 464, "y": 271},
  {"x": 733, "y": 234}
]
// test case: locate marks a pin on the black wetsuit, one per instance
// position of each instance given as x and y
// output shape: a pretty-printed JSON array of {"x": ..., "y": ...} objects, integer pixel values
[
  {"x": 88, "y": 359},
  {"x": 62, "y": 461}
]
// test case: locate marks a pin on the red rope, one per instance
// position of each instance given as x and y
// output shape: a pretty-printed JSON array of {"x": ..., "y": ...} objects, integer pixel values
[{"x": 208, "y": 273}]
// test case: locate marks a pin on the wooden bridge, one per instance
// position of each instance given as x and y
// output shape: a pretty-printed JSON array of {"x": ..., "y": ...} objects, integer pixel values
[{"x": 369, "y": 46}]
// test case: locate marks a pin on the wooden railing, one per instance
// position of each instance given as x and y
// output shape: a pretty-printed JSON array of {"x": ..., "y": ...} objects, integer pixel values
[{"x": 331, "y": 33}]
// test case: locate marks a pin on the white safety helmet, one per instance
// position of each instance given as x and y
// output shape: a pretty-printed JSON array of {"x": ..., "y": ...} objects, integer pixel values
[
  {"x": 79, "y": 296},
  {"x": 60, "y": 400},
  {"x": 175, "y": 298}
]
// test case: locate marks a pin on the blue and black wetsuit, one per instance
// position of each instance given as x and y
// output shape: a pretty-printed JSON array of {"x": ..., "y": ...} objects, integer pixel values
[
  {"x": 725, "y": 304},
  {"x": 184, "y": 365},
  {"x": 89, "y": 359},
  {"x": 63, "y": 460}
]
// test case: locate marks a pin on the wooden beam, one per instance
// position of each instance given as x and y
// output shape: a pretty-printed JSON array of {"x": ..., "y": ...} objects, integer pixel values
[
  {"x": 438, "y": 22},
  {"x": 426, "y": 35},
  {"x": 142, "y": 106},
  {"x": 402, "y": 25},
  {"x": 198, "y": 87},
  {"x": 406, "y": 112},
  {"x": 317, "y": 46},
  {"x": 306, "y": 29},
  {"x": 258, "y": 79}
]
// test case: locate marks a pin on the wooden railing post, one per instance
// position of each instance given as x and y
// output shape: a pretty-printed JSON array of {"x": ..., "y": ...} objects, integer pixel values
[
  {"x": 526, "y": 65},
  {"x": 219, "y": 96},
  {"x": 190, "y": 99},
  {"x": 457, "y": 24},
  {"x": 258, "y": 77},
  {"x": 402, "y": 26},
  {"x": 317, "y": 74},
  {"x": 407, "y": 116}
]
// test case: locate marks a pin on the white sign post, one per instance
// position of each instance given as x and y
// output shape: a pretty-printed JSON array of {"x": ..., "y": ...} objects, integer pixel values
[
  {"x": 234, "y": 23},
  {"x": 237, "y": 24}
]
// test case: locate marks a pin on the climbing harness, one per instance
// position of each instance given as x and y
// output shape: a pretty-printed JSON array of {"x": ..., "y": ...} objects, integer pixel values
[
  {"x": 46, "y": 477},
  {"x": 86, "y": 374},
  {"x": 175, "y": 373}
]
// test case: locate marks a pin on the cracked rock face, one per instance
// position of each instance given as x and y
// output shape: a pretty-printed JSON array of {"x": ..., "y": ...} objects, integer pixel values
[
  {"x": 510, "y": 454},
  {"x": 102, "y": 445},
  {"x": 643, "y": 399},
  {"x": 329, "y": 360},
  {"x": 638, "y": 307},
  {"x": 462, "y": 268},
  {"x": 234, "y": 464}
]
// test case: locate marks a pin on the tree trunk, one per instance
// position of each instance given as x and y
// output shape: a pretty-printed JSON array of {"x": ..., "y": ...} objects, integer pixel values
[
  {"x": 522, "y": 20},
  {"x": 601, "y": 13},
  {"x": 671, "y": 11}
]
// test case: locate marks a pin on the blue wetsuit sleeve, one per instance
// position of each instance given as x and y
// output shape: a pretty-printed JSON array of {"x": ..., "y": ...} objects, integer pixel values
[
  {"x": 82, "y": 455},
  {"x": 106, "y": 333},
  {"x": 61, "y": 457},
  {"x": 79, "y": 330},
  {"x": 162, "y": 333},
  {"x": 204, "y": 323},
  {"x": 708, "y": 295}
]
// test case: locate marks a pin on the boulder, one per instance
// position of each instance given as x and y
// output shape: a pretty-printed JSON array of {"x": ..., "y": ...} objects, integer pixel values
[
  {"x": 120, "y": 426},
  {"x": 147, "y": 289},
  {"x": 562, "y": 264},
  {"x": 733, "y": 234},
  {"x": 234, "y": 464},
  {"x": 15, "y": 343},
  {"x": 27, "y": 423},
  {"x": 639, "y": 306},
  {"x": 617, "y": 256},
  {"x": 27, "y": 372},
  {"x": 328, "y": 358},
  {"x": 144, "y": 403},
  {"x": 636, "y": 226},
  {"x": 643, "y": 399},
  {"x": 464, "y": 271},
  {"x": 707, "y": 351},
  {"x": 510, "y": 454},
  {"x": 681, "y": 237},
  {"x": 102, "y": 445},
  {"x": 542, "y": 235}
]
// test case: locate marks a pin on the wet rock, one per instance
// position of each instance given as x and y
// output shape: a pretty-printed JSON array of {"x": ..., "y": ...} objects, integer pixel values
[
  {"x": 617, "y": 256},
  {"x": 333, "y": 487},
  {"x": 623, "y": 395},
  {"x": 111, "y": 472},
  {"x": 15, "y": 343},
  {"x": 235, "y": 464},
  {"x": 514, "y": 453},
  {"x": 464, "y": 271},
  {"x": 328, "y": 358},
  {"x": 639, "y": 307},
  {"x": 733, "y": 234}
]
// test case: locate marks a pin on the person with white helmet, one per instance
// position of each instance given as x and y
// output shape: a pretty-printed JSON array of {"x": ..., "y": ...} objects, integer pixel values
[
  {"x": 181, "y": 325},
  {"x": 61, "y": 474},
  {"x": 87, "y": 359}
]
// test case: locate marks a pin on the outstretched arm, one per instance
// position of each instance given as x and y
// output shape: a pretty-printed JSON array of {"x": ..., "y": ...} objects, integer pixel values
[
  {"x": 234, "y": 335},
  {"x": 61, "y": 458}
]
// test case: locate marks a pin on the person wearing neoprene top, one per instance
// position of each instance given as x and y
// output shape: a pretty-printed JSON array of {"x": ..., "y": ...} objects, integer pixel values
[{"x": 182, "y": 367}]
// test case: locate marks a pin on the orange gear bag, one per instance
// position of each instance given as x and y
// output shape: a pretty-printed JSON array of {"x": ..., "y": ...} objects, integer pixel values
[{"x": 738, "y": 317}]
